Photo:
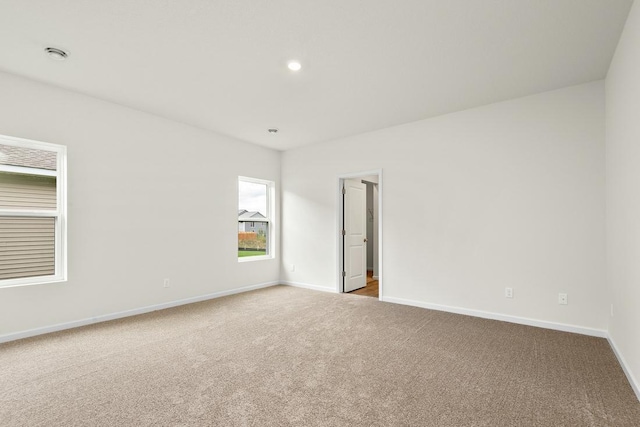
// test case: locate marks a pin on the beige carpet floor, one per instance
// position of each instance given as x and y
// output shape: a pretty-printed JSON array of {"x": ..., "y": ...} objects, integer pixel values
[{"x": 285, "y": 356}]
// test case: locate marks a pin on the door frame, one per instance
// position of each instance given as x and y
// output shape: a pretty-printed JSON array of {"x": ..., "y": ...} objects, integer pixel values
[{"x": 340, "y": 225}]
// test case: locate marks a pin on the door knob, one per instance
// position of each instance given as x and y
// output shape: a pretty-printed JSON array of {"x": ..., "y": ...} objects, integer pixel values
[{"x": 365, "y": 240}]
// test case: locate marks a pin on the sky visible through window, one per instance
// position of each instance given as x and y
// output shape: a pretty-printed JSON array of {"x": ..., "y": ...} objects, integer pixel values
[{"x": 252, "y": 197}]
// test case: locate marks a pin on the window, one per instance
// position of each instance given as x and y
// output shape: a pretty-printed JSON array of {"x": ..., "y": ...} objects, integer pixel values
[
  {"x": 32, "y": 212},
  {"x": 255, "y": 226}
]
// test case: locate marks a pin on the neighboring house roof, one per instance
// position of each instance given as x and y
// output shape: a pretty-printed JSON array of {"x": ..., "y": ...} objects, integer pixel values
[
  {"x": 27, "y": 157},
  {"x": 247, "y": 216}
]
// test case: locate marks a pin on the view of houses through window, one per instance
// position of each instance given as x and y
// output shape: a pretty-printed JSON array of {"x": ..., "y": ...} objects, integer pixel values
[
  {"x": 31, "y": 212},
  {"x": 253, "y": 217}
]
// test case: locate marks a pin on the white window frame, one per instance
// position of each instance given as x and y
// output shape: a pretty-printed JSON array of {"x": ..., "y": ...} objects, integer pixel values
[
  {"x": 269, "y": 218},
  {"x": 59, "y": 214}
]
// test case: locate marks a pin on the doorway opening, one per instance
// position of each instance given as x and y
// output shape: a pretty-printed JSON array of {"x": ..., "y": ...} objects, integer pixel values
[{"x": 360, "y": 234}]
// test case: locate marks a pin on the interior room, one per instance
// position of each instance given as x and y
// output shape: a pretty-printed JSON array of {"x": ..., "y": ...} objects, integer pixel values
[{"x": 201, "y": 239}]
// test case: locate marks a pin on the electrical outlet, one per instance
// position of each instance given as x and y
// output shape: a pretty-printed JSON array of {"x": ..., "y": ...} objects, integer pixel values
[
  {"x": 165, "y": 284},
  {"x": 293, "y": 267},
  {"x": 508, "y": 292},
  {"x": 563, "y": 299}
]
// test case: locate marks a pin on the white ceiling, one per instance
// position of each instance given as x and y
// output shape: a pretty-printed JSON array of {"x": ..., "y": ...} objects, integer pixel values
[{"x": 367, "y": 64}]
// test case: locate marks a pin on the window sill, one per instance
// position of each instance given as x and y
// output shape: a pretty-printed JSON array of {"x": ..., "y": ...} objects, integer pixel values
[
  {"x": 255, "y": 258},
  {"x": 31, "y": 281}
]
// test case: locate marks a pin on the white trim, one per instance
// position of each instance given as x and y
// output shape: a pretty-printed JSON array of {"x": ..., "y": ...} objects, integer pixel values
[
  {"x": 635, "y": 385},
  {"x": 360, "y": 174},
  {"x": 32, "y": 281},
  {"x": 27, "y": 171},
  {"x": 339, "y": 208},
  {"x": 475, "y": 313},
  {"x": 308, "y": 286},
  {"x": 339, "y": 225},
  {"x": 106, "y": 317},
  {"x": 601, "y": 333},
  {"x": 61, "y": 191},
  {"x": 380, "y": 236},
  {"x": 255, "y": 258}
]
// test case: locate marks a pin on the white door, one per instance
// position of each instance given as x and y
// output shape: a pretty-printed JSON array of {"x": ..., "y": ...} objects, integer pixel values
[{"x": 355, "y": 233}]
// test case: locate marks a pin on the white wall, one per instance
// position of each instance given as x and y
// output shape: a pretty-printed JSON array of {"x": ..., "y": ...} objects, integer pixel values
[
  {"x": 509, "y": 194},
  {"x": 149, "y": 198},
  {"x": 623, "y": 195}
]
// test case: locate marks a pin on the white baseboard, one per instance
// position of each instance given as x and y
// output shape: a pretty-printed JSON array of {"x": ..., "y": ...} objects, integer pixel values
[
  {"x": 375, "y": 277},
  {"x": 635, "y": 385},
  {"x": 105, "y": 317},
  {"x": 308, "y": 286},
  {"x": 601, "y": 333}
]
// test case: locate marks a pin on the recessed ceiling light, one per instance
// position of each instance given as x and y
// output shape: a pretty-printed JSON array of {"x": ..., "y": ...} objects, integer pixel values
[
  {"x": 57, "y": 54},
  {"x": 294, "y": 65},
  {"x": 272, "y": 131}
]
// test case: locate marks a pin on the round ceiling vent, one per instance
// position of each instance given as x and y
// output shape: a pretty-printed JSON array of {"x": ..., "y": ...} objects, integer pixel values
[{"x": 57, "y": 54}]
